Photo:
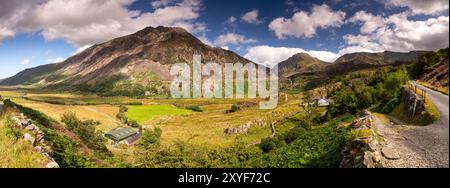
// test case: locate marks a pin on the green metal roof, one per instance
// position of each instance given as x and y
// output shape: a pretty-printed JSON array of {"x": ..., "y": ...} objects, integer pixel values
[{"x": 120, "y": 133}]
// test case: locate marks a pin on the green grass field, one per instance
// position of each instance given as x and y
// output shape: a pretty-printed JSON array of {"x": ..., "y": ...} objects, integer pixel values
[{"x": 142, "y": 114}]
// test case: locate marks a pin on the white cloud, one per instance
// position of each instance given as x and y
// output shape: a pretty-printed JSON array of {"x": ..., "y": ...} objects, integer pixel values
[
  {"x": 205, "y": 40},
  {"x": 161, "y": 3},
  {"x": 231, "y": 20},
  {"x": 370, "y": 22},
  {"x": 25, "y": 62},
  {"x": 225, "y": 47},
  {"x": 428, "y": 7},
  {"x": 304, "y": 24},
  {"x": 268, "y": 55},
  {"x": 5, "y": 33},
  {"x": 233, "y": 38},
  {"x": 397, "y": 33},
  {"x": 100, "y": 20},
  {"x": 252, "y": 17},
  {"x": 80, "y": 49},
  {"x": 56, "y": 60}
]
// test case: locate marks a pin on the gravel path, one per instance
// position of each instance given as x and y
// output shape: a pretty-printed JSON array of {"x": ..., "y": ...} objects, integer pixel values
[
  {"x": 399, "y": 145},
  {"x": 419, "y": 146}
]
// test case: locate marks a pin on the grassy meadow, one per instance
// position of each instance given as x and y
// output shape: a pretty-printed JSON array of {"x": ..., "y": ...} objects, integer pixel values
[
  {"x": 145, "y": 113},
  {"x": 204, "y": 128}
]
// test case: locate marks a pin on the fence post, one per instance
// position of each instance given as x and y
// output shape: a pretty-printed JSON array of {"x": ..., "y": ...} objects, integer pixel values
[{"x": 424, "y": 96}]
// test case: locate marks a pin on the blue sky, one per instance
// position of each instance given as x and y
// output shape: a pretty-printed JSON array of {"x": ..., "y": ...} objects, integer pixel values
[{"x": 38, "y": 32}]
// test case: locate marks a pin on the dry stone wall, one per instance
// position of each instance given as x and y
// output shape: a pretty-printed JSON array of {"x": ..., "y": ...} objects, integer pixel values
[
  {"x": 35, "y": 137},
  {"x": 364, "y": 151},
  {"x": 414, "y": 104},
  {"x": 275, "y": 117}
]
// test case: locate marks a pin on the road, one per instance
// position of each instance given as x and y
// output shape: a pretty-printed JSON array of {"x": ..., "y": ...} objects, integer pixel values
[{"x": 432, "y": 141}]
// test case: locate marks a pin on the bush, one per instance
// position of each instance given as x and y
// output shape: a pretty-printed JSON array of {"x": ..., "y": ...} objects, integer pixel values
[
  {"x": 269, "y": 144},
  {"x": 66, "y": 150},
  {"x": 346, "y": 102},
  {"x": 293, "y": 134},
  {"x": 123, "y": 109},
  {"x": 234, "y": 108},
  {"x": 194, "y": 108},
  {"x": 122, "y": 117},
  {"x": 134, "y": 123},
  {"x": 150, "y": 137},
  {"x": 85, "y": 130}
]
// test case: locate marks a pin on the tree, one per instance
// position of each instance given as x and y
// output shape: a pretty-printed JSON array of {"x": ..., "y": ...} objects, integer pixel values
[
  {"x": 365, "y": 97},
  {"x": 346, "y": 102}
]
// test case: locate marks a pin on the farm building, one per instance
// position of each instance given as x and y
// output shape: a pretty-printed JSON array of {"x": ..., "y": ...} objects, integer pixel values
[
  {"x": 322, "y": 101},
  {"x": 125, "y": 135}
]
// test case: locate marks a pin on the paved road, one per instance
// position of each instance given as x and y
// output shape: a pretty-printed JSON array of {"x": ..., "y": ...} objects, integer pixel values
[{"x": 432, "y": 141}]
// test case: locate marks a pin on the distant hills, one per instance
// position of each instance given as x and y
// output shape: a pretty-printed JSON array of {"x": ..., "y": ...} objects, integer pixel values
[
  {"x": 301, "y": 63},
  {"x": 139, "y": 63},
  {"x": 363, "y": 60}
]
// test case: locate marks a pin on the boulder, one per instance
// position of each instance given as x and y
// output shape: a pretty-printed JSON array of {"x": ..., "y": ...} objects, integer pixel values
[
  {"x": 31, "y": 127},
  {"x": 17, "y": 121},
  {"x": 52, "y": 165},
  {"x": 25, "y": 122},
  {"x": 390, "y": 153},
  {"x": 29, "y": 138},
  {"x": 39, "y": 149}
]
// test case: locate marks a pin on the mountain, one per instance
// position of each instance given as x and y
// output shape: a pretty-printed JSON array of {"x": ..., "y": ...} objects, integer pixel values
[
  {"x": 135, "y": 63},
  {"x": 304, "y": 64},
  {"x": 300, "y": 63},
  {"x": 363, "y": 60}
]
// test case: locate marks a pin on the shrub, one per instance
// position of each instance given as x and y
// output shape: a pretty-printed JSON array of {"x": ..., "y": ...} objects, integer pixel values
[
  {"x": 150, "y": 137},
  {"x": 85, "y": 130},
  {"x": 123, "y": 109},
  {"x": 346, "y": 102},
  {"x": 194, "y": 108},
  {"x": 269, "y": 144},
  {"x": 122, "y": 117},
  {"x": 234, "y": 108},
  {"x": 134, "y": 123},
  {"x": 293, "y": 134}
]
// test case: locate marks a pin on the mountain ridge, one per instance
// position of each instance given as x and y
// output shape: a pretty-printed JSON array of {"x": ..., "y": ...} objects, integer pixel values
[{"x": 140, "y": 60}]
